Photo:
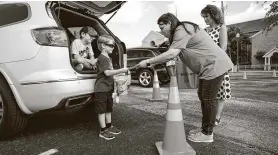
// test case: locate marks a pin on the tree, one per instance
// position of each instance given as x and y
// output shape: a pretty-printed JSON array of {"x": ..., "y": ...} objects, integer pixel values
[
  {"x": 232, "y": 44},
  {"x": 271, "y": 16},
  {"x": 259, "y": 55}
]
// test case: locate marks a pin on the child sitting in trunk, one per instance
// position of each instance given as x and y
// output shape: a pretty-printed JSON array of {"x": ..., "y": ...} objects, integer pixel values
[{"x": 81, "y": 49}]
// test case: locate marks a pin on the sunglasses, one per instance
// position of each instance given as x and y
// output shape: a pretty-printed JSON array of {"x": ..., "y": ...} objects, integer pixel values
[{"x": 110, "y": 45}]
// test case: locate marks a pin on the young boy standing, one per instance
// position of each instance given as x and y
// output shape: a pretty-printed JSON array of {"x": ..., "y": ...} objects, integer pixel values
[{"x": 104, "y": 87}]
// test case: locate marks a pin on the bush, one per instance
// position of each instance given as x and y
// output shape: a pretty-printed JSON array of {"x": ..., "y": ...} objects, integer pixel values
[{"x": 259, "y": 55}]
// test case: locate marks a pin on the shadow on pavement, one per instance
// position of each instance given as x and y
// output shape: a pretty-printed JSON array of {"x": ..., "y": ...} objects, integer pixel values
[{"x": 57, "y": 120}]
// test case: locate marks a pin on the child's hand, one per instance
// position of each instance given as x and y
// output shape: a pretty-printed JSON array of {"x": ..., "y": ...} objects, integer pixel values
[
  {"x": 124, "y": 69},
  {"x": 94, "y": 67},
  {"x": 92, "y": 62}
]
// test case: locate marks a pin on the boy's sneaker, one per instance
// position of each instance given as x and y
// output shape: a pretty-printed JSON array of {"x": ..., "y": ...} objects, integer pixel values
[
  {"x": 200, "y": 137},
  {"x": 114, "y": 130},
  {"x": 107, "y": 135}
]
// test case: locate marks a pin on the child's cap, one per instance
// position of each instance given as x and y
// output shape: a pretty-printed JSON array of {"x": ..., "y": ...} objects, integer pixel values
[{"x": 91, "y": 31}]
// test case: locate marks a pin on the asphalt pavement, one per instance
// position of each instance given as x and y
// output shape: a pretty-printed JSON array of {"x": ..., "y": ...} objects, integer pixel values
[
  {"x": 76, "y": 134},
  {"x": 249, "y": 125}
]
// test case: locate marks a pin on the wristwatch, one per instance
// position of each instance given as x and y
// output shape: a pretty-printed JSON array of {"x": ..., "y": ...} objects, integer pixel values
[{"x": 148, "y": 64}]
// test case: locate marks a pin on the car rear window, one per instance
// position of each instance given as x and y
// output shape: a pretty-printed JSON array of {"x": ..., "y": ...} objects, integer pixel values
[{"x": 13, "y": 13}]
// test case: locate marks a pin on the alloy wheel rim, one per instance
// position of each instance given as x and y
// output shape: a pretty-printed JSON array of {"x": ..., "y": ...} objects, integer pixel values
[
  {"x": 145, "y": 78},
  {"x": 1, "y": 108}
]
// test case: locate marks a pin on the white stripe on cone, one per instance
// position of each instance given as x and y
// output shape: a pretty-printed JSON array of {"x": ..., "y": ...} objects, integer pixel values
[
  {"x": 174, "y": 115},
  {"x": 156, "y": 85},
  {"x": 155, "y": 78},
  {"x": 174, "y": 95},
  {"x": 155, "y": 81}
]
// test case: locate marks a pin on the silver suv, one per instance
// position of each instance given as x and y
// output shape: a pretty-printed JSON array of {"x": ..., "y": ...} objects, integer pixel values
[{"x": 36, "y": 72}]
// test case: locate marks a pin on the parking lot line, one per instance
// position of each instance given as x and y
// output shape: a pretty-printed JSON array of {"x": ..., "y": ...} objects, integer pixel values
[{"x": 51, "y": 151}]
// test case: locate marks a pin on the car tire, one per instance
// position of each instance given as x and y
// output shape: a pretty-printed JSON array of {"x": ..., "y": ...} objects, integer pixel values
[
  {"x": 145, "y": 77},
  {"x": 12, "y": 119}
]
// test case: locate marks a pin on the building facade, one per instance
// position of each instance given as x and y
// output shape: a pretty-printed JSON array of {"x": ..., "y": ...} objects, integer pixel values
[
  {"x": 153, "y": 39},
  {"x": 261, "y": 41}
]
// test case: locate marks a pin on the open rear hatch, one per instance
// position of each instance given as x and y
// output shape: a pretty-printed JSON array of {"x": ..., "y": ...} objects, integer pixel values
[
  {"x": 97, "y": 8},
  {"x": 76, "y": 14}
]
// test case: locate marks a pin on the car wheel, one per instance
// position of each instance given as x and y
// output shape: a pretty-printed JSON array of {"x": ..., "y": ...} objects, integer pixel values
[
  {"x": 12, "y": 119},
  {"x": 145, "y": 78}
]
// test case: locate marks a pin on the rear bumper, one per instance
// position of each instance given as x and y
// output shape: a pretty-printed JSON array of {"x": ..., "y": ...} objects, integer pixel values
[{"x": 56, "y": 95}]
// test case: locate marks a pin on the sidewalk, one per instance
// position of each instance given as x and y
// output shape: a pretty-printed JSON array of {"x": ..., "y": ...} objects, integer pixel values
[{"x": 259, "y": 75}]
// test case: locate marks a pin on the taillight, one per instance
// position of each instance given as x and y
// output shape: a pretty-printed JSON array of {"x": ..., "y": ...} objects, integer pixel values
[{"x": 50, "y": 37}]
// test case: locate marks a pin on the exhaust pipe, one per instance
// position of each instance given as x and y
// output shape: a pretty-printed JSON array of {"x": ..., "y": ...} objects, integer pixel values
[{"x": 77, "y": 101}]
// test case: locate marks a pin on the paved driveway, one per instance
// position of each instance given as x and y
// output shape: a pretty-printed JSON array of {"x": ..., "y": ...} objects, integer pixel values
[{"x": 249, "y": 125}]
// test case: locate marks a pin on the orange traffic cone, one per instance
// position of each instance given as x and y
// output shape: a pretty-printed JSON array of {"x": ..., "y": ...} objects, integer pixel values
[
  {"x": 174, "y": 142},
  {"x": 244, "y": 75},
  {"x": 156, "y": 88},
  {"x": 274, "y": 73}
]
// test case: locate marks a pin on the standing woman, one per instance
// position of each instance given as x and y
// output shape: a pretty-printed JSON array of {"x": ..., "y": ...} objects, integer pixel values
[
  {"x": 201, "y": 55},
  {"x": 218, "y": 32}
]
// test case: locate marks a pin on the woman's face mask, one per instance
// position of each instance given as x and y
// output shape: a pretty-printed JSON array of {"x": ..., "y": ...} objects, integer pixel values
[{"x": 165, "y": 29}]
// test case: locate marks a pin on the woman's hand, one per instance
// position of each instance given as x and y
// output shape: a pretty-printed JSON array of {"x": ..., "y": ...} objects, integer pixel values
[
  {"x": 143, "y": 64},
  {"x": 124, "y": 70}
]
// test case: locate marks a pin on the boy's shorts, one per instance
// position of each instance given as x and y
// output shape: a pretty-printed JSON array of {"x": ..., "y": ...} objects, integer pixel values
[{"x": 103, "y": 102}]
